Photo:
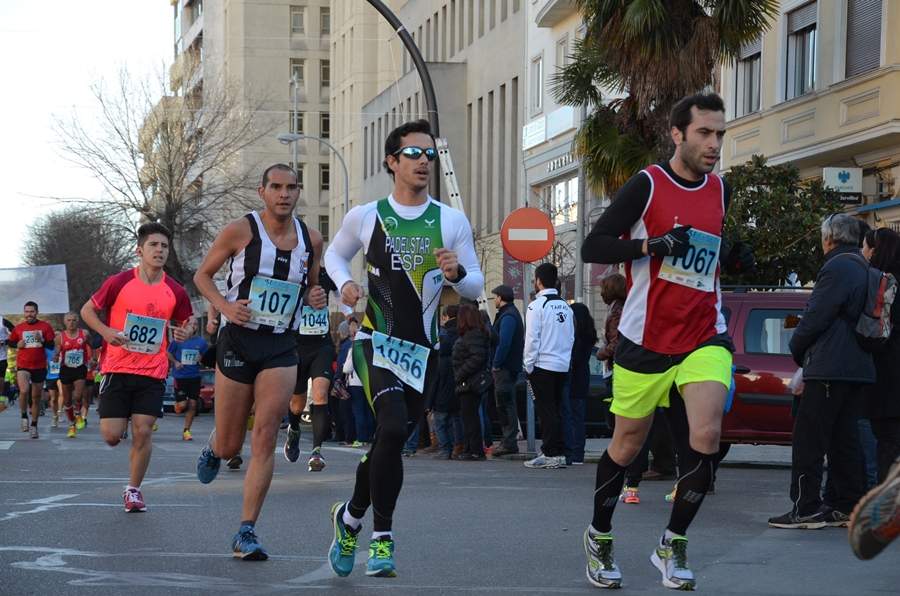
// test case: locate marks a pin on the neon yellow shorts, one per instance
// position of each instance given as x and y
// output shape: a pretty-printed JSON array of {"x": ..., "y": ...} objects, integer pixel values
[{"x": 637, "y": 395}]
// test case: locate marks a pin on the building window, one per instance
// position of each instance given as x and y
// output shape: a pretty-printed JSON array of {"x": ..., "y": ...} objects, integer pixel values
[
  {"x": 325, "y": 125},
  {"x": 748, "y": 78},
  {"x": 300, "y": 168},
  {"x": 325, "y": 21},
  {"x": 298, "y": 19},
  {"x": 298, "y": 67},
  {"x": 296, "y": 124},
  {"x": 562, "y": 51},
  {"x": 537, "y": 83},
  {"x": 563, "y": 201},
  {"x": 863, "y": 36},
  {"x": 324, "y": 176},
  {"x": 325, "y": 73},
  {"x": 323, "y": 228},
  {"x": 801, "y": 63}
]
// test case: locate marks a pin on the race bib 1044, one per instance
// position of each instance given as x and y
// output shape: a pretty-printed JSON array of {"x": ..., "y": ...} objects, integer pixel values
[
  {"x": 313, "y": 322},
  {"x": 190, "y": 357},
  {"x": 273, "y": 301},
  {"x": 697, "y": 268},
  {"x": 144, "y": 335},
  {"x": 74, "y": 359},
  {"x": 405, "y": 359},
  {"x": 33, "y": 339}
]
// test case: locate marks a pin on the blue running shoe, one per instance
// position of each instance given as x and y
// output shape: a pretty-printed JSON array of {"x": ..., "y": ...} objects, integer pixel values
[
  {"x": 381, "y": 558},
  {"x": 343, "y": 548},
  {"x": 246, "y": 546},
  {"x": 208, "y": 463}
]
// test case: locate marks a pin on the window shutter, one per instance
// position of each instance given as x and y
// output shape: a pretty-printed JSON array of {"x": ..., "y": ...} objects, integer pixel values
[
  {"x": 802, "y": 17},
  {"x": 863, "y": 36},
  {"x": 749, "y": 49}
]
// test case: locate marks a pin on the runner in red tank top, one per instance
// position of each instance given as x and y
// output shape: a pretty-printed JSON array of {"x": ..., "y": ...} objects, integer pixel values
[
  {"x": 31, "y": 337},
  {"x": 666, "y": 225},
  {"x": 74, "y": 353}
]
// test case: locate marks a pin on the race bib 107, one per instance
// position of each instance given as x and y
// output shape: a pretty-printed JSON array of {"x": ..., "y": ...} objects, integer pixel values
[{"x": 273, "y": 301}]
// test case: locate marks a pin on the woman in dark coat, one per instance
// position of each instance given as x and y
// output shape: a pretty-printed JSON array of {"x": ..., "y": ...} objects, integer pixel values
[
  {"x": 881, "y": 401},
  {"x": 470, "y": 356}
]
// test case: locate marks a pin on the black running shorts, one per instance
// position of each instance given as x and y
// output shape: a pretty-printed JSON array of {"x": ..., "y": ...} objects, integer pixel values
[
  {"x": 187, "y": 388},
  {"x": 68, "y": 376},
  {"x": 243, "y": 353},
  {"x": 123, "y": 395},
  {"x": 316, "y": 361},
  {"x": 38, "y": 375}
]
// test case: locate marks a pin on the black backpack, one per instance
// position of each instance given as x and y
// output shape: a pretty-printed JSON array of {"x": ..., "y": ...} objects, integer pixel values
[{"x": 873, "y": 327}]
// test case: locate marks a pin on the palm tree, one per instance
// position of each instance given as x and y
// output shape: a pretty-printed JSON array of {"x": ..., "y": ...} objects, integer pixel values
[{"x": 655, "y": 52}]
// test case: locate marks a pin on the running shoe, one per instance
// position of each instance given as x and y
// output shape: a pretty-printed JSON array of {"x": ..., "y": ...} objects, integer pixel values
[
  {"x": 208, "y": 463},
  {"x": 602, "y": 570},
  {"x": 795, "y": 521},
  {"x": 134, "y": 501},
  {"x": 630, "y": 495},
  {"x": 543, "y": 461},
  {"x": 186, "y": 435},
  {"x": 561, "y": 460},
  {"x": 23, "y": 426},
  {"x": 177, "y": 409},
  {"x": 836, "y": 519},
  {"x": 235, "y": 462},
  {"x": 356, "y": 444},
  {"x": 124, "y": 434},
  {"x": 876, "y": 518},
  {"x": 670, "y": 498},
  {"x": 343, "y": 548},
  {"x": 292, "y": 445},
  {"x": 246, "y": 545},
  {"x": 41, "y": 413},
  {"x": 316, "y": 462},
  {"x": 79, "y": 422},
  {"x": 381, "y": 558},
  {"x": 72, "y": 432},
  {"x": 670, "y": 557},
  {"x": 250, "y": 420},
  {"x": 155, "y": 427},
  {"x": 409, "y": 453},
  {"x": 33, "y": 432},
  {"x": 54, "y": 423}
]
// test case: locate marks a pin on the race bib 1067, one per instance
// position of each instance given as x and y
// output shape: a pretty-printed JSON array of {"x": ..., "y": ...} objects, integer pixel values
[
  {"x": 273, "y": 301},
  {"x": 144, "y": 335},
  {"x": 697, "y": 268},
  {"x": 405, "y": 359}
]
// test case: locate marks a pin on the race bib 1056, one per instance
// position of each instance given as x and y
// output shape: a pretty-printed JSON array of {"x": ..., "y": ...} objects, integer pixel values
[
  {"x": 697, "y": 268},
  {"x": 405, "y": 359}
]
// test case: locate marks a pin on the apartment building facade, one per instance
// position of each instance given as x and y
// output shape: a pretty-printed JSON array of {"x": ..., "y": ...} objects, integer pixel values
[{"x": 819, "y": 90}]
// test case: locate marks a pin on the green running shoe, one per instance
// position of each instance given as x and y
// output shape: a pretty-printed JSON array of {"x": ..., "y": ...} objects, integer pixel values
[
  {"x": 381, "y": 558},
  {"x": 602, "y": 570},
  {"x": 343, "y": 548},
  {"x": 670, "y": 557}
]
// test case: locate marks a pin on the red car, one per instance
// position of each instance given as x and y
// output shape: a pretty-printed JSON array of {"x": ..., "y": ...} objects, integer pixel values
[{"x": 761, "y": 407}]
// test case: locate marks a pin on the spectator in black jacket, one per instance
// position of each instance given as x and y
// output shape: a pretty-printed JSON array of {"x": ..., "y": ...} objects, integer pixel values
[
  {"x": 470, "y": 356},
  {"x": 834, "y": 369},
  {"x": 447, "y": 420},
  {"x": 506, "y": 366}
]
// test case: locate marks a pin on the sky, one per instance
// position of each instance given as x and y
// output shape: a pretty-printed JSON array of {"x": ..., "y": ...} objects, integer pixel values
[{"x": 50, "y": 52}]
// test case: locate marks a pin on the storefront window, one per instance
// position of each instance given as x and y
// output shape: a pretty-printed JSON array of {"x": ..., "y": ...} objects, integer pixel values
[{"x": 562, "y": 199}]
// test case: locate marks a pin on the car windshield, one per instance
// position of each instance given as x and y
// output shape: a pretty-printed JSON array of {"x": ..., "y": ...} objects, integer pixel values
[{"x": 208, "y": 376}]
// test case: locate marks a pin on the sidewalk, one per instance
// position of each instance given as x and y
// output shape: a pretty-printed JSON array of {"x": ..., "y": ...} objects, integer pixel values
[{"x": 740, "y": 456}]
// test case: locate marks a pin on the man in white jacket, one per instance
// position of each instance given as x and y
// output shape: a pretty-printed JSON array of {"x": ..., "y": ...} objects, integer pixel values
[{"x": 549, "y": 335}]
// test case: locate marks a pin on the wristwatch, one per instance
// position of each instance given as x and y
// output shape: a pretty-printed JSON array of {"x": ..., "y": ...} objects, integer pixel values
[{"x": 353, "y": 320}]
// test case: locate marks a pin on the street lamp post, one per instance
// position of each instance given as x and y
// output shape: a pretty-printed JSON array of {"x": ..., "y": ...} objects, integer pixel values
[{"x": 287, "y": 138}]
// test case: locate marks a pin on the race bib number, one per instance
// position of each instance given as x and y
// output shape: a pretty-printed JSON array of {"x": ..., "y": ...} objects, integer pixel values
[
  {"x": 190, "y": 357},
  {"x": 74, "y": 359},
  {"x": 53, "y": 368},
  {"x": 697, "y": 268},
  {"x": 33, "y": 339},
  {"x": 313, "y": 322},
  {"x": 405, "y": 359},
  {"x": 144, "y": 334},
  {"x": 273, "y": 302}
]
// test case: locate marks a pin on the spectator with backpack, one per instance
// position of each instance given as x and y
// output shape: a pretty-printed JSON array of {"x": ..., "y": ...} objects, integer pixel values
[
  {"x": 835, "y": 367},
  {"x": 881, "y": 401}
]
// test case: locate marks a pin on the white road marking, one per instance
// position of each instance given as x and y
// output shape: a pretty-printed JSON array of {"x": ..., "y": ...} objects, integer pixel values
[
  {"x": 526, "y": 234},
  {"x": 6, "y": 444}
]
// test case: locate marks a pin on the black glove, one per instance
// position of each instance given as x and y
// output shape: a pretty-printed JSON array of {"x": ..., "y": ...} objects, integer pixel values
[
  {"x": 739, "y": 260},
  {"x": 674, "y": 243}
]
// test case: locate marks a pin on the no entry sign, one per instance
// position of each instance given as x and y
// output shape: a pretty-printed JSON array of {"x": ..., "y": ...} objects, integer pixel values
[{"x": 527, "y": 234}]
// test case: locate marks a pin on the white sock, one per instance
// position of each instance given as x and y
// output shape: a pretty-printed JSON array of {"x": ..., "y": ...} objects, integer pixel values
[
  {"x": 377, "y": 535},
  {"x": 670, "y": 534},
  {"x": 349, "y": 520},
  {"x": 134, "y": 488},
  {"x": 595, "y": 532}
]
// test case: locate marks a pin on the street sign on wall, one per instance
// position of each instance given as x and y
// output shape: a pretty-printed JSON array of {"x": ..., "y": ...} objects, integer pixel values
[
  {"x": 527, "y": 234},
  {"x": 847, "y": 181}
]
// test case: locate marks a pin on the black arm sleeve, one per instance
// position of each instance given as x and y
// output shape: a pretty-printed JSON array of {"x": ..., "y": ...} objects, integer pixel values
[{"x": 603, "y": 244}]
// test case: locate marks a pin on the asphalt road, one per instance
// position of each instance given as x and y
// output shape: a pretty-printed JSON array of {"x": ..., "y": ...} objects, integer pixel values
[{"x": 491, "y": 527}]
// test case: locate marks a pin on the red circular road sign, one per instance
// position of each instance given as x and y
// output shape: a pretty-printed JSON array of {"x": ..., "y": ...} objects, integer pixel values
[{"x": 527, "y": 234}]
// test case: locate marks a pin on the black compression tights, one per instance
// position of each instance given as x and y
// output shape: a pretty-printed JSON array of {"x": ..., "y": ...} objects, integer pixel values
[
  {"x": 379, "y": 476},
  {"x": 319, "y": 423}
]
